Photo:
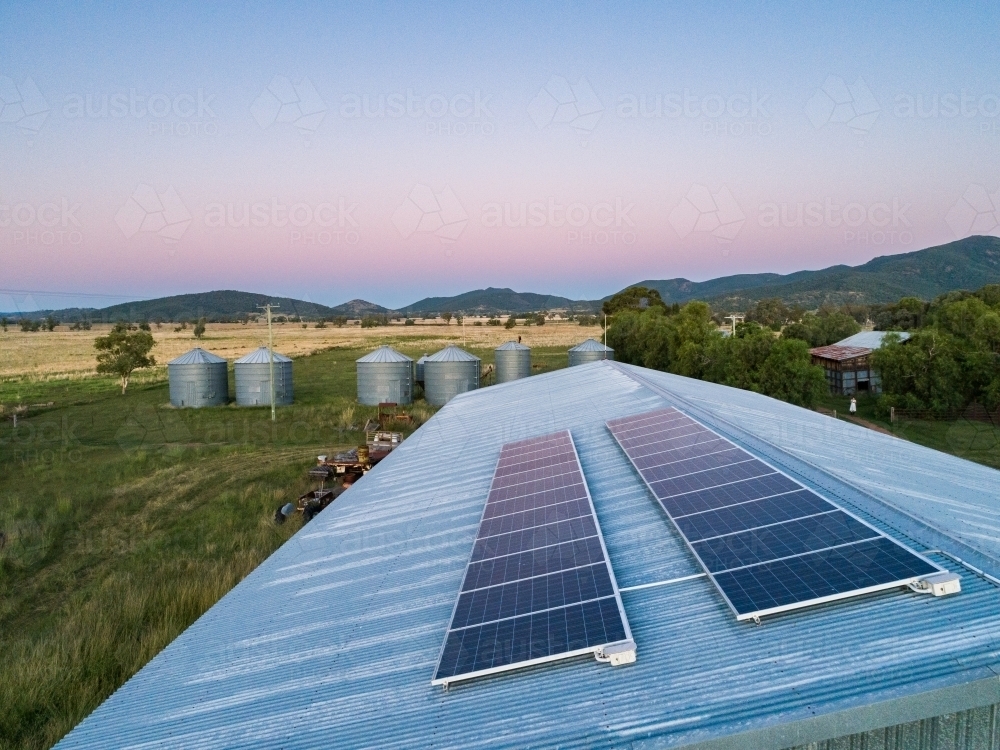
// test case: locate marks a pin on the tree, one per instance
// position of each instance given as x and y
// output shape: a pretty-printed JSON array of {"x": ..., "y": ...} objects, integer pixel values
[
  {"x": 199, "y": 328},
  {"x": 446, "y": 317},
  {"x": 124, "y": 350},
  {"x": 29, "y": 326},
  {"x": 4, "y": 324},
  {"x": 511, "y": 322},
  {"x": 633, "y": 298},
  {"x": 50, "y": 323},
  {"x": 540, "y": 319},
  {"x": 770, "y": 312}
]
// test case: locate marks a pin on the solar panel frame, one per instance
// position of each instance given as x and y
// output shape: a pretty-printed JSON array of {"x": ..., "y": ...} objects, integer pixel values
[
  {"x": 513, "y": 621},
  {"x": 654, "y": 418}
]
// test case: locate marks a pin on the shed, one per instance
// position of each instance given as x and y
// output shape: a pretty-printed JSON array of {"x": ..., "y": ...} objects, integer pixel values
[
  {"x": 847, "y": 363},
  {"x": 347, "y": 619}
]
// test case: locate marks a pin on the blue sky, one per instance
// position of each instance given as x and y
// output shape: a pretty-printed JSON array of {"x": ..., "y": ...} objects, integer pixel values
[{"x": 568, "y": 149}]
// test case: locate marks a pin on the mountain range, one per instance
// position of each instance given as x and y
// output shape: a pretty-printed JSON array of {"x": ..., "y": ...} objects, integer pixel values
[{"x": 965, "y": 264}]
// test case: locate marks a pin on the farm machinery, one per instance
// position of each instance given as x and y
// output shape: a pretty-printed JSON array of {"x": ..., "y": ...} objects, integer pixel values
[{"x": 342, "y": 469}]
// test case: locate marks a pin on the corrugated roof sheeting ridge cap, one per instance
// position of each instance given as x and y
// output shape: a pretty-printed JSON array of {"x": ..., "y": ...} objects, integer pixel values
[
  {"x": 590, "y": 345},
  {"x": 260, "y": 356},
  {"x": 196, "y": 356},
  {"x": 384, "y": 354},
  {"x": 511, "y": 346},
  {"x": 452, "y": 354}
]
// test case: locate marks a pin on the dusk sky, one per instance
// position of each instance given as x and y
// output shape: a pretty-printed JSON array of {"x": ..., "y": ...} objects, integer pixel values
[{"x": 328, "y": 152}]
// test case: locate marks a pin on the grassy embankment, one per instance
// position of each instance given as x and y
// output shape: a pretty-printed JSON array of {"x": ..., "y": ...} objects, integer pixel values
[
  {"x": 125, "y": 520},
  {"x": 969, "y": 439}
]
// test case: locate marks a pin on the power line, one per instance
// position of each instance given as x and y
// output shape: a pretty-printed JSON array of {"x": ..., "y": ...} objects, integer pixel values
[{"x": 68, "y": 294}]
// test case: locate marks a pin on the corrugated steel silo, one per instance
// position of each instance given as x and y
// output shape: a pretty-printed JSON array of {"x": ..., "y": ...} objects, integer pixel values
[
  {"x": 385, "y": 375},
  {"x": 197, "y": 379},
  {"x": 449, "y": 372},
  {"x": 589, "y": 351},
  {"x": 513, "y": 361},
  {"x": 253, "y": 379}
]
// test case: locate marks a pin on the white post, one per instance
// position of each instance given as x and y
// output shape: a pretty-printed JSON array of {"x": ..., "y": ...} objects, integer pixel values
[{"x": 270, "y": 355}]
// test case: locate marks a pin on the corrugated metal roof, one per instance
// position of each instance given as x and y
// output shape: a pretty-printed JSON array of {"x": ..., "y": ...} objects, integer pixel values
[
  {"x": 196, "y": 356},
  {"x": 333, "y": 640},
  {"x": 511, "y": 346},
  {"x": 590, "y": 345},
  {"x": 839, "y": 353},
  {"x": 260, "y": 356},
  {"x": 870, "y": 339},
  {"x": 451, "y": 354},
  {"x": 384, "y": 354}
]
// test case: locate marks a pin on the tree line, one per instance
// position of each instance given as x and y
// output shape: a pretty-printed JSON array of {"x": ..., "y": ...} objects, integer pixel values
[{"x": 951, "y": 360}]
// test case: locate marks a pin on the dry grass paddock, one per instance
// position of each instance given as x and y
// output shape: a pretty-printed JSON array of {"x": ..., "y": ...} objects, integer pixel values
[{"x": 63, "y": 353}]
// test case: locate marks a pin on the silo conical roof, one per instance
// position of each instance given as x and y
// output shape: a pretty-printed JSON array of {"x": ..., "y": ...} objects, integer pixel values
[
  {"x": 512, "y": 346},
  {"x": 197, "y": 356},
  {"x": 591, "y": 346},
  {"x": 452, "y": 354},
  {"x": 261, "y": 356},
  {"x": 385, "y": 354}
]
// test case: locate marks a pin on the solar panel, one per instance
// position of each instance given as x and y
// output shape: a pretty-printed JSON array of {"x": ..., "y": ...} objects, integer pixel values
[
  {"x": 538, "y": 585},
  {"x": 767, "y": 542}
]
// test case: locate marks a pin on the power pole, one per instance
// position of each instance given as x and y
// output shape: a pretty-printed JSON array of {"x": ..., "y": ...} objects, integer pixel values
[
  {"x": 270, "y": 353},
  {"x": 735, "y": 318}
]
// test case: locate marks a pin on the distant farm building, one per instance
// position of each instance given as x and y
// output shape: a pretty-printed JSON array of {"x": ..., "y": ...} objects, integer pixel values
[{"x": 847, "y": 363}]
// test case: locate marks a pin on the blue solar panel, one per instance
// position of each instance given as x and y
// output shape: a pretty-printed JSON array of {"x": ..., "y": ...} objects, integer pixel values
[
  {"x": 538, "y": 585},
  {"x": 767, "y": 542}
]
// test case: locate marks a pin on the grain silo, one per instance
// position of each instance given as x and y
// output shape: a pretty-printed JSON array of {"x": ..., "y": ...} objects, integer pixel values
[
  {"x": 253, "y": 379},
  {"x": 590, "y": 351},
  {"x": 385, "y": 375},
  {"x": 449, "y": 372},
  {"x": 513, "y": 361},
  {"x": 198, "y": 378}
]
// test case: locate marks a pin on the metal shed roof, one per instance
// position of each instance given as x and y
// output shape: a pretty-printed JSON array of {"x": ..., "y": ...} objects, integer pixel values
[
  {"x": 384, "y": 354},
  {"x": 196, "y": 356},
  {"x": 512, "y": 346},
  {"x": 451, "y": 354},
  {"x": 333, "y": 640},
  {"x": 590, "y": 345},
  {"x": 870, "y": 339},
  {"x": 839, "y": 353},
  {"x": 260, "y": 356}
]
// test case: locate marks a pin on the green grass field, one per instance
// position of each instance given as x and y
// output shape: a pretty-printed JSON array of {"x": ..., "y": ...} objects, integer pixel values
[
  {"x": 972, "y": 440},
  {"x": 125, "y": 520}
]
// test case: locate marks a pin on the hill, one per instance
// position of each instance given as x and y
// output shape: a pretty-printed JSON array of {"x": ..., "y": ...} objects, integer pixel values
[
  {"x": 214, "y": 306},
  {"x": 969, "y": 263},
  {"x": 493, "y": 300}
]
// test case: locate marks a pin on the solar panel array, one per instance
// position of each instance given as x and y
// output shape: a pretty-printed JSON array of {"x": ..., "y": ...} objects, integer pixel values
[
  {"x": 538, "y": 585},
  {"x": 768, "y": 543}
]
